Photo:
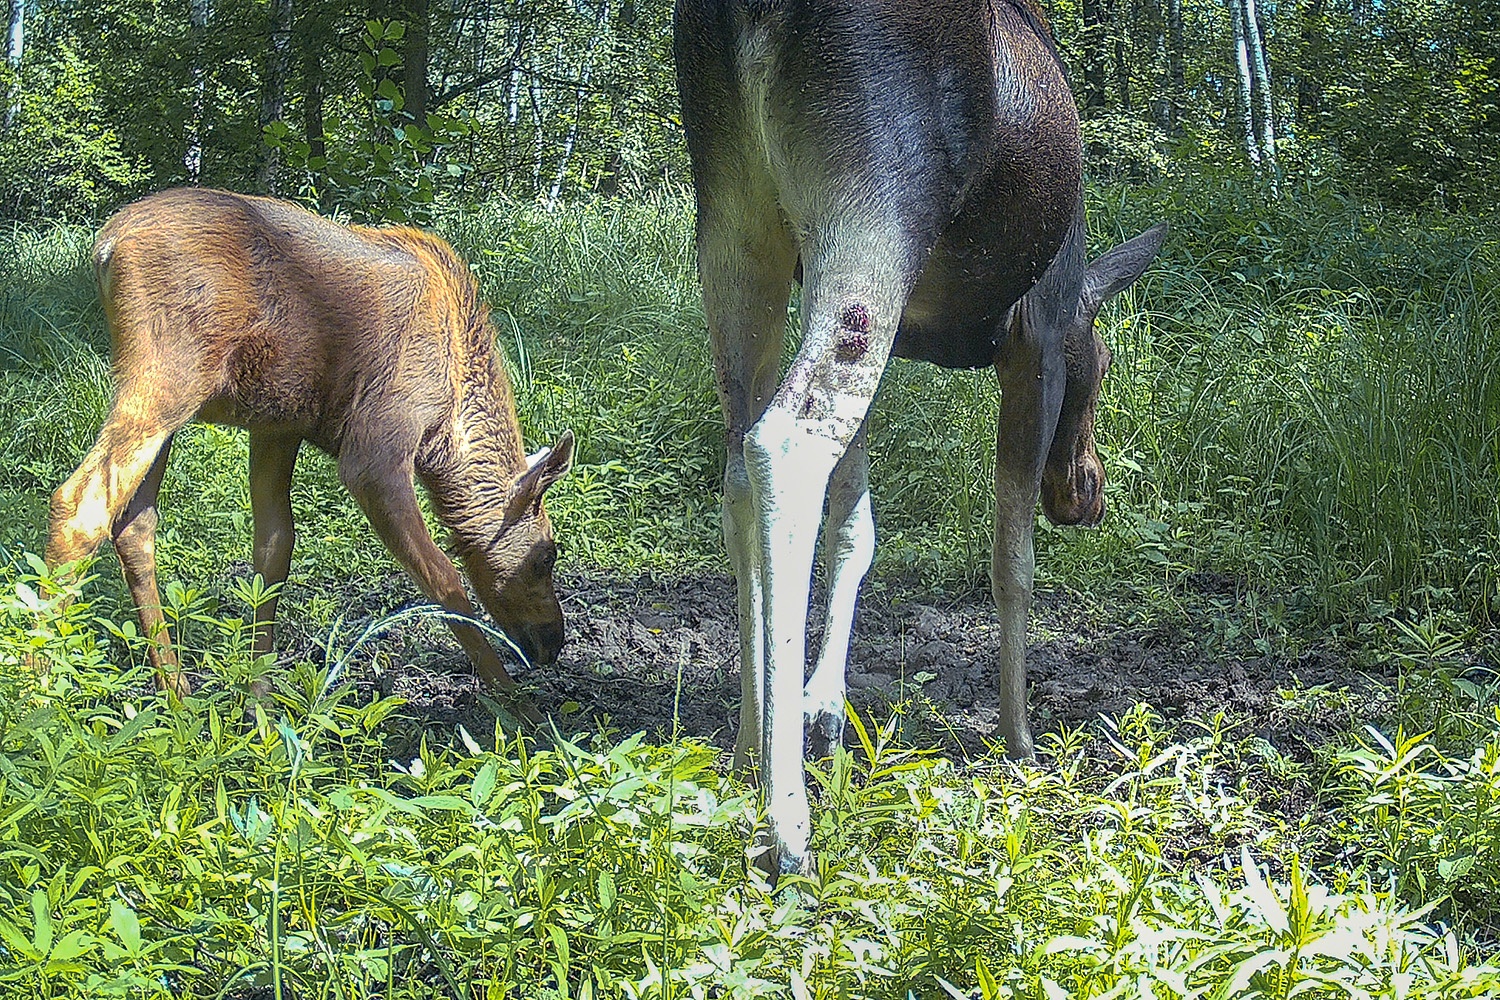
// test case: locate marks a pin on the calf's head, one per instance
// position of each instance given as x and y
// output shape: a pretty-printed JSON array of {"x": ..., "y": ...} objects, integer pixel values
[
  {"x": 510, "y": 565},
  {"x": 1073, "y": 478}
]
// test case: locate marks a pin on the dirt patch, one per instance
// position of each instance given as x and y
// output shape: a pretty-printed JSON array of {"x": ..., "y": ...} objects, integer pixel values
[{"x": 661, "y": 655}]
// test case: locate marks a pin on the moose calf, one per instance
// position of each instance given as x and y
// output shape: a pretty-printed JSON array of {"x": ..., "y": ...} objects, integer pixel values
[{"x": 374, "y": 345}]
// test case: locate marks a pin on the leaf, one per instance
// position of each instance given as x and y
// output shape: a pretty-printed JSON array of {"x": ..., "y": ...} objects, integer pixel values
[
  {"x": 72, "y": 945},
  {"x": 15, "y": 940},
  {"x": 41, "y": 912},
  {"x": 28, "y": 597},
  {"x": 127, "y": 926},
  {"x": 1267, "y": 905},
  {"x": 484, "y": 784},
  {"x": 606, "y": 891}
]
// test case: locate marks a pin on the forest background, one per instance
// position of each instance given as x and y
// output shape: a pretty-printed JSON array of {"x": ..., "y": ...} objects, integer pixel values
[{"x": 379, "y": 106}]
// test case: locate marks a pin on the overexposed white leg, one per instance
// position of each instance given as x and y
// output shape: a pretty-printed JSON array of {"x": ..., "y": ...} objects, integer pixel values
[
  {"x": 742, "y": 539},
  {"x": 789, "y": 469},
  {"x": 848, "y": 550},
  {"x": 852, "y": 298}
]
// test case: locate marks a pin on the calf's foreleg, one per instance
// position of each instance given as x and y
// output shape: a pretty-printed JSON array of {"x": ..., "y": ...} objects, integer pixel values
[{"x": 385, "y": 492}]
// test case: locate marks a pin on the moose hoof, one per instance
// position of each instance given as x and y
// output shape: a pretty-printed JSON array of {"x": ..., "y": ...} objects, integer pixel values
[
  {"x": 825, "y": 730},
  {"x": 777, "y": 860}
]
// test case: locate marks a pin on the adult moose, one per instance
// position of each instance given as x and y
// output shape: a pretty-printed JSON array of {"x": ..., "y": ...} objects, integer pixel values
[
  {"x": 374, "y": 345},
  {"x": 919, "y": 162}
]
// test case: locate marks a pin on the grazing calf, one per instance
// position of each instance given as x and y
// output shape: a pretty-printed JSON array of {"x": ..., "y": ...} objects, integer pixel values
[
  {"x": 374, "y": 345},
  {"x": 919, "y": 163}
]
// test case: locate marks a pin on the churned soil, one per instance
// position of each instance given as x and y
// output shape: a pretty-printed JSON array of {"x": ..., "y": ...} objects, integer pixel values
[{"x": 660, "y": 654}]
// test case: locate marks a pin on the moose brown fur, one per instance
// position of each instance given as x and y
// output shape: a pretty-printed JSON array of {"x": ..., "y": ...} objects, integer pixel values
[
  {"x": 918, "y": 163},
  {"x": 374, "y": 345}
]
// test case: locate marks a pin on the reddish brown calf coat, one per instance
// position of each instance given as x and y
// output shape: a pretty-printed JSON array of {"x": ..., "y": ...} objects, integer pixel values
[{"x": 373, "y": 344}]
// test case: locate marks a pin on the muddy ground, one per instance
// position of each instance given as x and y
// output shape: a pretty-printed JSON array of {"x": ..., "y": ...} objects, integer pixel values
[{"x": 631, "y": 639}]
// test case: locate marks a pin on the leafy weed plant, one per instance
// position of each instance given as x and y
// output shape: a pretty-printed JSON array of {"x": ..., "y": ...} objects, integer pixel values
[{"x": 217, "y": 847}]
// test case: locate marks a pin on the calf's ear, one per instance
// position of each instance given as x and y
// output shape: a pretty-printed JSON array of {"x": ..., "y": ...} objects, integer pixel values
[
  {"x": 1118, "y": 269},
  {"x": 543, "y": 469}
]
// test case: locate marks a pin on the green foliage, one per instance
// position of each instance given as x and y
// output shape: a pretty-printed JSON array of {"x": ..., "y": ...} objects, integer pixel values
[
  {"x": 1303, "y": 399},
  {"x": 1429, "y": 821},
  {"x": 216, "y": 846},
  {"x": 550, "y": 100},
  {"x": 380, "y": 165},
  {"x": 1417, "y": 113},
  {"x": 64, "y": 152}
]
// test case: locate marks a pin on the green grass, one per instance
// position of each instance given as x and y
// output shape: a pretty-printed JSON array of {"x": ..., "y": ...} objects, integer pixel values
[{"x": 1304, "y": 396}]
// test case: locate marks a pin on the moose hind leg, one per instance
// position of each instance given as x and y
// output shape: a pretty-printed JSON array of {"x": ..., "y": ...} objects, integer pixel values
[
  {"x": 135, "y": 543},
  {"x": 746, "y": 256},
  {"x": 848, "y": 550},
  {"x": 854, "y": 290},
  {"x": 86, "y": 507}
]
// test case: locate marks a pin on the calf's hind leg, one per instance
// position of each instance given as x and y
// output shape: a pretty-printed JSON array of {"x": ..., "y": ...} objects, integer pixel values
[{"x": 113, "y": 493}]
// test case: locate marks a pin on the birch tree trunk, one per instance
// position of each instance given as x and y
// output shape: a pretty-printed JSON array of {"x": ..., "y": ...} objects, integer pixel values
[
  {"x": 1262, "y": 77},
  {"x": 273, "y": 100},
  {"x": 1244, "y": 110},
  {"x": 585, "y": 74},
  {"x": 1176, "y": 77},
  {"x": 1118, "y": 23},
  {"x": 15, "y": 48},
  {"x": 1094, "y": 62},
  {"x": 192, "y": 159}
]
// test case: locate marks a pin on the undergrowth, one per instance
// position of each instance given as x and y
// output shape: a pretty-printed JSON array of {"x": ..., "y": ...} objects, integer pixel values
[{"x": 222, "y": 848}]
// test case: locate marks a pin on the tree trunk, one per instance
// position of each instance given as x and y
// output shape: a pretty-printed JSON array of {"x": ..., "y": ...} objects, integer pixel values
[
  {"x": 192, "y": 158},
  {"x": 416, "y": 57},
  {"x": 1117, "y": 27},
  {"x": 1176, "y": 78},
  {"x": 1244, "y": 105},
  {"x": 619, "y": 97},
  {"x": 15, "y": 48},
  {"x": 311, "y": 42},
  {"x": 1309, "y": 89},
  {"x": 312, "y": 106},
  {"x": 273, "y": 100},
  {"x": 1094, "y": 37},
  {"x": 585, "y": 74},
  {"x": 534, "y": 89},
  {"x": 1261, "y": 74}
]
